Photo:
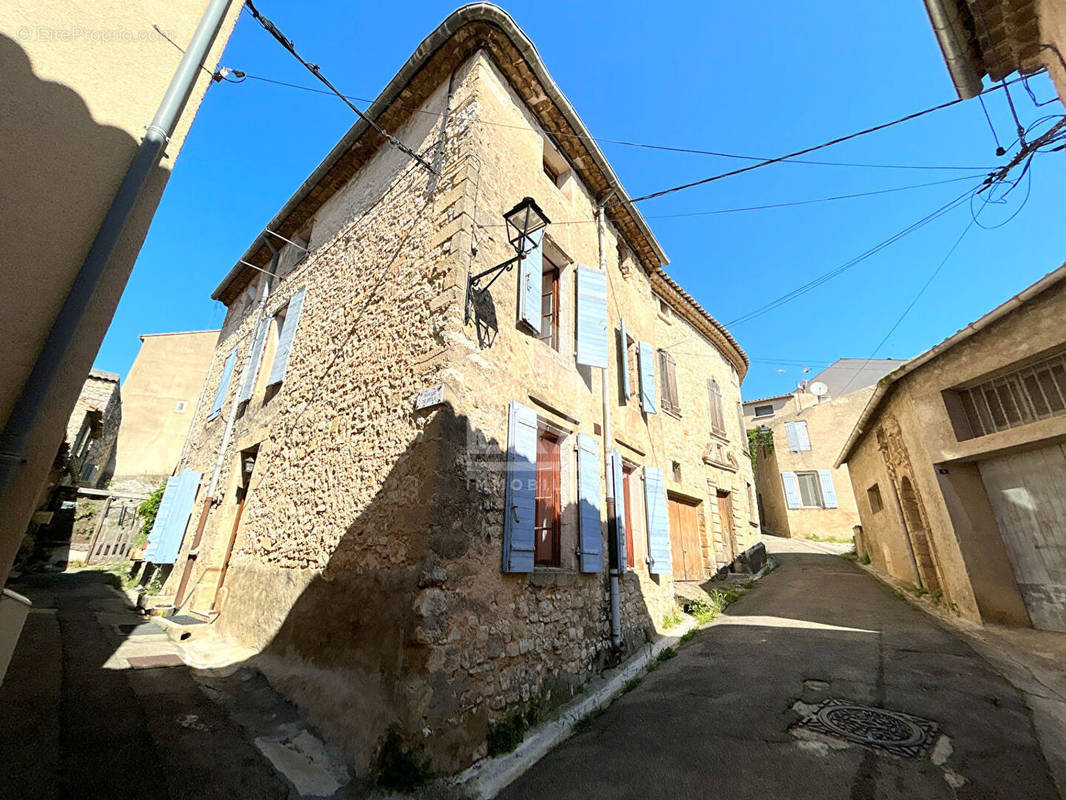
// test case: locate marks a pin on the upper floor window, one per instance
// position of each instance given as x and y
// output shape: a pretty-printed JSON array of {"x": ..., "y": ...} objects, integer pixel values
[
  {"x": 764, "y": 411},
  {"x": 810, "y": 490},
  {"x": 549, "y": 306},
  {"x": 668, "y": 374},
  {"x": 1034, "y": 392},
  {"x": 873, "y": 494},
  {"x": 798, "y": 439},
  {"x": 554, "y": 165},
  {"x": 717, "y": 415}
]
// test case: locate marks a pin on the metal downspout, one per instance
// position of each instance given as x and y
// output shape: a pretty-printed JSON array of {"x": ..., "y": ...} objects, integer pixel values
[
  {"x": 65, "y": 328},
  {"x": 614, "y": 557}
]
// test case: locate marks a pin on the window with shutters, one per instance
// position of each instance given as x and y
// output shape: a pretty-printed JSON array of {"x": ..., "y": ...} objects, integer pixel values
[
  {"x": 717, "y": 414},
  {"x": 810, "y": 489},
  {"x": 764, "y": 411},
  {"x": 555, "y": 167},
  {"x": 798, "y": 438},
  {"x": 743, "y": 431},
  {"x": 630, "y": 494},
  {"x": 549, "y": 306},
  {"x": 668, "y": 375},
  {"x": 547, "y": 549}
]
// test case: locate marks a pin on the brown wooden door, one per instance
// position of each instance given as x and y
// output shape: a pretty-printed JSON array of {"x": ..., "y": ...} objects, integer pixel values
[
  {"x": 687, "y": 555},
  {"x": 725, "y": 514}
]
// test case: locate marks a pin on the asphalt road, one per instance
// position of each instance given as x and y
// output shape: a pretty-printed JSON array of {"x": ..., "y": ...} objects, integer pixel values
[{"x": 717, "y": 721}]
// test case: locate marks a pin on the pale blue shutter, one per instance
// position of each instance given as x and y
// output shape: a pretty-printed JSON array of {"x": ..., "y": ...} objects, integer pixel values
[
  {"x": 793, "y": 438},
  {"x": 646, "y": 365},
  {"x": 591, "y": 317},
  {"x": 623, "y": 356},
  {"x": 792, "y": 489},
  {"x": 166, "y": 551},
  {"x": 288, "y": 332},
  {"x": 161, "y": 514},
  {"x": 255, "y": 355},
  {"x": 801, "y": 436},
  {"x": 829, "y": 494},
  {"x": 659, "y": 561},
  {"x": 530, "y": 284},
  {"x": 590, "y": 529},
  {"x": 618, "y": 477},
  {"x": 520, "y": 498},
  {"x": 223, "y": 384}
]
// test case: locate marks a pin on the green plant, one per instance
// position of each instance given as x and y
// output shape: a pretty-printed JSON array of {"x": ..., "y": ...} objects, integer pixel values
[
  {"x": 672, "y": 618},
  {"x": 813, "y": 537},
  {"x": 758, "y": 438},
  {"x": 86, "y": 510},
  {"x": 864, "y": 559},
  {"x": 397, "y": 769},
  {"x": 631, "y": 684},
  {"x": 148, "y": 510},
  {"x": 506, "y": 734},
  {"x": 689, "y": 634},
  {"x": 155, "y": 585},
  {"x": 666, "y": 654},
  {"x": 705, "y": 610}
]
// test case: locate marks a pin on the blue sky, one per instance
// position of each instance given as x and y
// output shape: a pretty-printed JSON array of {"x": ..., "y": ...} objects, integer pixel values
[{"x": 757, "y": 79}]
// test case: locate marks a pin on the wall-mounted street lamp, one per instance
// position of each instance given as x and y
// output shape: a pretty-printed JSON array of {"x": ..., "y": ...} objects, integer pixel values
[{"x": 523, "y": 221}]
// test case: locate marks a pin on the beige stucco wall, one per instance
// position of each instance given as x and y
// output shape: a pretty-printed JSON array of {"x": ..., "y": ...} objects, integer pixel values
[
  {"x": 169, "y": 371},
  {"x": 81, "y": 80},
  {"x": 972, "y": 564},
  {"x": 828, "y": 426},
  {"x": 367, "y": 565}
]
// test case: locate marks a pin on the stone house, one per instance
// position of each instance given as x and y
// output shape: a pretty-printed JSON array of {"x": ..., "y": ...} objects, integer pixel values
[
  {"x": 93, "y": 429},
  {"x": 799, "y": 491},
  {"x": 159, "y": 398},
  {"x": 429, "y": 513},
  {"x": 958, "y": 465}
]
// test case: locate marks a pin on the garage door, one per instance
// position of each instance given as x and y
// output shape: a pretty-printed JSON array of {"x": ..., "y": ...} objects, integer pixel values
[{"x": 1028, "y": 495}]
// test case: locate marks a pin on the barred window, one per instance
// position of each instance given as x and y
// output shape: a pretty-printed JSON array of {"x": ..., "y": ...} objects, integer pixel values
[{"x": 1024, "y": 395}]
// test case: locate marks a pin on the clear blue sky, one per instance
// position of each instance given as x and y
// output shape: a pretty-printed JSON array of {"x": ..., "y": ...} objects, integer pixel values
[{"x": 750, "y": 78}]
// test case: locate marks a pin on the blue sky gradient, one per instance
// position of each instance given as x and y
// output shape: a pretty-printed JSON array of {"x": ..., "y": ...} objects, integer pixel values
[{"x": 758, "y": 79}]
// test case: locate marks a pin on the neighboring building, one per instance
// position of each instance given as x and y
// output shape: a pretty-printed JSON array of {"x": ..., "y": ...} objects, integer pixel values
[
  {"x": 92, "y": 431},
  {"x": 82, "y": 79},
  {"x": 159, "y": 398},
  {"x": 403, "y": 508},
  {"x": 800, "y": 493},
  {"x": 995, "y": 38},
  {"x": 959, "y": 469}
]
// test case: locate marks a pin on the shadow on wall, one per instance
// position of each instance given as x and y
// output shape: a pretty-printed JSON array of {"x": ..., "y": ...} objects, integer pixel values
[
  {"x": 412, "y": 624},
  {"x": 55, "y": 194}
]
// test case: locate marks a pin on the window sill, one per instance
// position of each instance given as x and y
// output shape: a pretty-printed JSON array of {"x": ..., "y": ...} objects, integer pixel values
[
  {"x": 669, "y": 413},
  {"x": 553, "y": 576},
  {"x": 720, "y": 436},
  {"x": 721, "y": 465}
]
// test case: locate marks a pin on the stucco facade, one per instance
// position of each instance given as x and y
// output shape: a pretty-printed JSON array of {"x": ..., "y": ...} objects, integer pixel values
[
  {"x": 159, "y": 398},
  {"x": 81, "y": 80},
  {"x": 973, "y": 513},
  {"x": 351, "y": 525}
]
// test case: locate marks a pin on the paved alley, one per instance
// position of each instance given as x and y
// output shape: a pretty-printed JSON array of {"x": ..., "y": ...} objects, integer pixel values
[
  {"x": 71, "y": 727},
  {"x": 716, "y": 720}
]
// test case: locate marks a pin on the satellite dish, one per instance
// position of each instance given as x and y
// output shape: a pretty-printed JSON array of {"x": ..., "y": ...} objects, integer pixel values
[{"x": 818, "y": 389}]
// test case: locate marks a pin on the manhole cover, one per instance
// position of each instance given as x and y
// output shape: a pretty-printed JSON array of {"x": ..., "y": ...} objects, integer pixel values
[{"x": 902, "y": 734}]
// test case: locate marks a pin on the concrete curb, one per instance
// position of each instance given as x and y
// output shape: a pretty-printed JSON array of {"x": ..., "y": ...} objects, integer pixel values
[{"x": 488, "y": 777}]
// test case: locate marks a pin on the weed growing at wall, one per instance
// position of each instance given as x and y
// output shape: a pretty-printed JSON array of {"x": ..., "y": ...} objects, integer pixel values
[
  {"x": 506, "y": 734},
  {"x": 672, "y": 618},
  {"x": 397, "y": 769},
  {"x": 148, "y": 510}
]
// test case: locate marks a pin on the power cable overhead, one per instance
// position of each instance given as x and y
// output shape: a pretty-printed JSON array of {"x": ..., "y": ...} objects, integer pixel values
[{"x": 285, "y": 42}]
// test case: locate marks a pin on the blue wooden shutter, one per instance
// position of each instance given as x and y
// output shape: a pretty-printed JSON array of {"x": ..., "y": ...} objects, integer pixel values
[
  {"x": 659, "y": 561},
  {"x": 288, "y": 332},
  {"x": 829, "y": 494},
  {"x": 646, "y": 365},
  {"x": 801, "y": 436},
  {"x": 590, "y": 528},
  {"x": 531, "y": 284},
  {"x": 255, "y": 355},
  {"x": 520, "y": 498},
  {"x": 793, "y": 439},
  {"x": 161, "y": 515},
  {"x": 169, "y": 543},
  {"x": 223, "y": 384},
  {"x": 623, "y": 356},
  {"x": 618, "y": 477},
  {"x": 792, "y": 489},
  {"x": 591, "y": 317}
]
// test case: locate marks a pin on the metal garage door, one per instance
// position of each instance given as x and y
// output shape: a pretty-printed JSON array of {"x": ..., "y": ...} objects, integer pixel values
[{"x": 1028, "y": 495}]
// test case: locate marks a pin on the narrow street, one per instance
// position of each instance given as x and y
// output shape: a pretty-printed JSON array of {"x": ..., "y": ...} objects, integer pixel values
[
  {"x": 74, "y": 724},
  {"x": 715, "y": 721}
]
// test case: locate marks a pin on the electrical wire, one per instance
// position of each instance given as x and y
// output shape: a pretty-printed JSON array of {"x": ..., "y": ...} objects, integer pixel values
[{"x": 285, "y": 42}]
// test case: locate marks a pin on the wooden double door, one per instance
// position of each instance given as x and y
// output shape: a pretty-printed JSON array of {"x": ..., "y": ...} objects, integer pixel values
[{"x": 685, "y": 544}]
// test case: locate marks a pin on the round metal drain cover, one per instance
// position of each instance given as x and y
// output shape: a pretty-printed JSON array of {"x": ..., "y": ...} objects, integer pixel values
[{"x": 871, "y": 726}]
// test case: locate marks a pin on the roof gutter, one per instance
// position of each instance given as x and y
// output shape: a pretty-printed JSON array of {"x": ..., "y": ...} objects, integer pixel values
[
  {"x": 954, "y": 45},
  {"x": 474, "y": 12},
  {"x": 884, "y": 385}
]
